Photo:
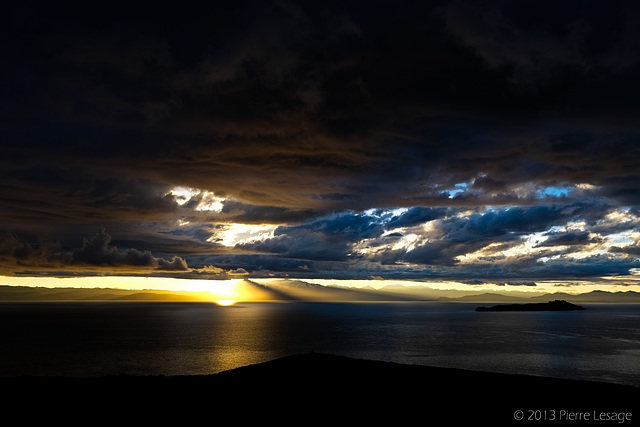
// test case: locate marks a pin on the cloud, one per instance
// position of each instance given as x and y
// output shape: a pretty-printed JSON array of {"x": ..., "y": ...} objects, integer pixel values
[
  {"x": 520, "y": 284},
  {"x": 416, "y": 215},
  {"x": 500, "y": 242},
  {"x": 532, "y": 49},
  {"x": 379, "y": 139},
  {"x": 328, "y": 238},
  {"x": 16, "y": 252},
  {"x": 421, "y": 237},
  {"x": 305, "y": 91},
  {"x": 563, "y": 239},
  {"x": 96, "y": 252},
  {"x": 483, "y": 282},
  {"x": 535, "y": 45}
]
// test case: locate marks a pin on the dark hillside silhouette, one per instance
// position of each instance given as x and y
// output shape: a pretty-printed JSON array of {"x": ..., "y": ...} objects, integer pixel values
[{"x": 314, "y": 387}]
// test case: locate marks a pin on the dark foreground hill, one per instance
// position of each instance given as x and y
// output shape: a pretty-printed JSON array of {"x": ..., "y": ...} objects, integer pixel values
[{"x": 313, "y": 389}]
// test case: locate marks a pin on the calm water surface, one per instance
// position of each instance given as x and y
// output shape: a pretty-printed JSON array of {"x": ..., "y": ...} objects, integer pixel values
[{"x": 88, "y": 338}]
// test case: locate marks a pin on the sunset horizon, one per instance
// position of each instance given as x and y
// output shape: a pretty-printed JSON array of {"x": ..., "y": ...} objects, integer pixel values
[{"x": 506, "y": 287}]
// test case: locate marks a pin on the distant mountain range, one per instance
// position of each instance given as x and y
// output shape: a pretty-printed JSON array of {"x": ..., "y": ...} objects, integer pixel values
[
  {"x": 594, "y": 296},
  {"x": 298, "y": 290},
  {"x": 27, "y": 293}
]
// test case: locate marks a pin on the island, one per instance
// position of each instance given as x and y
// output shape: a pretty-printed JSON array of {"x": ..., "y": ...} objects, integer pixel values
[{"x": 557, "y": 305}]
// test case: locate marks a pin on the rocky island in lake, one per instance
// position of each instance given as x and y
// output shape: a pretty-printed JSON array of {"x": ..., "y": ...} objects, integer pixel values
[{"x": 557, "y": 305}]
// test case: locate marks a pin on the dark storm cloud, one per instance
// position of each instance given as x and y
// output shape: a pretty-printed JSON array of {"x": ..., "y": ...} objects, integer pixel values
[
  {"x": 309, "y": 114},
  {"x": 95, "y": 252},
  {"x": 325, "y": 239},
  {"x": 246, "y": 213},
  {"x": 561, "y": 239},
  {"x": 415, "y": 216}
]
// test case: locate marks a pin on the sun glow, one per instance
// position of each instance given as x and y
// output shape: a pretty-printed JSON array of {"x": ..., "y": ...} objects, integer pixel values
[
  {"x": 225, "y": 302},
  {"x": 229, "y": 292}
]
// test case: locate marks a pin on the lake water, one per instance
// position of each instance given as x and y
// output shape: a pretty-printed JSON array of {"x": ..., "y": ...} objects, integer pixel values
[{"x": 89, "y": 338}]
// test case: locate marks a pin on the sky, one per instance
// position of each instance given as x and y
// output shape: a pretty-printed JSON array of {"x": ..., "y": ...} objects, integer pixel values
[{"x": 472, "y": 141}]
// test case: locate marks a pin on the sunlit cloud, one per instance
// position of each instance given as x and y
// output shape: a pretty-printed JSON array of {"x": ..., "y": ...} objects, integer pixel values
[
  {"x": 619, "y": 217},
  {"x": 198, "y": 200},
  {"x": 407, "y": 242},
  {"x": 237, "y": 234}
]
